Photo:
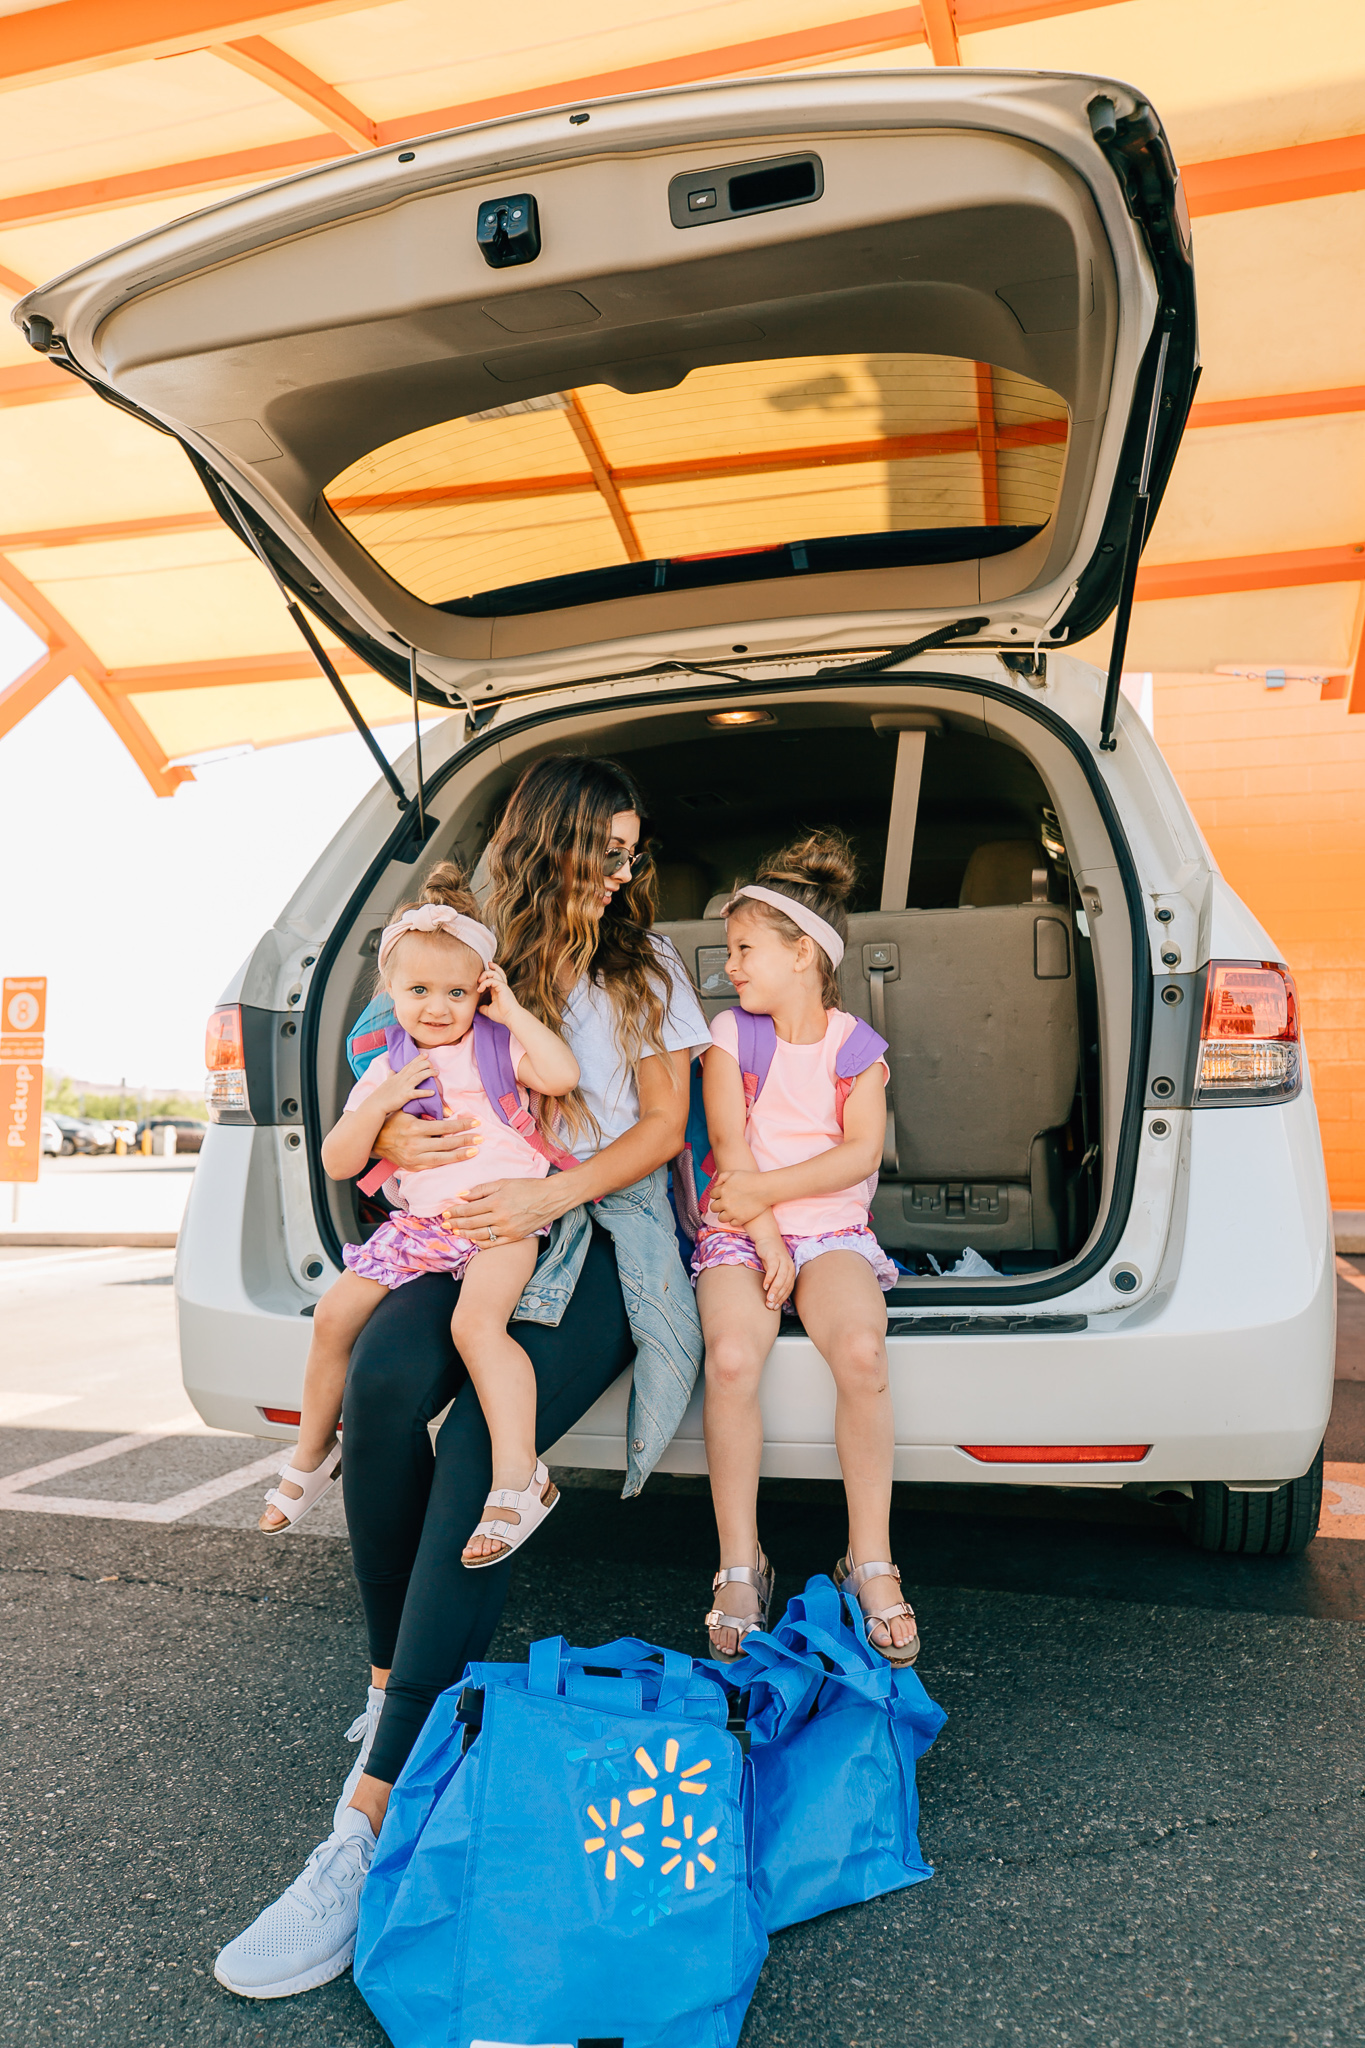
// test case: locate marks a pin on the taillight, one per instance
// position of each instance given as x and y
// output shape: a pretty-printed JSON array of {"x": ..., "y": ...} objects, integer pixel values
[
  {"x": 1249, "y": 1042},
  {"x": 225, "y": 1090}
]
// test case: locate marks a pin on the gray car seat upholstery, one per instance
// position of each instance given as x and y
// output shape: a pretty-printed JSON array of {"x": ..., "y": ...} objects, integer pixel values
[{"x": 979, "y": 1009}]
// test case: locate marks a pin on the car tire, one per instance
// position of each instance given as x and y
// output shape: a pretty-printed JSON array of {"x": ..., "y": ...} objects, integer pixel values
[
  {"x": 68, "y": 1148},
  {"x": 1277, "y": 1524}
]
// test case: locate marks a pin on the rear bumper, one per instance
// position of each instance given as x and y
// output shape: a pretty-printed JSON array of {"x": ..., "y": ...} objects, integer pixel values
[{"x": 1224, "y": 1369}]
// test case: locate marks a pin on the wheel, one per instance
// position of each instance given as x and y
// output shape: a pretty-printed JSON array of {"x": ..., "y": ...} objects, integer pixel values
[
  {"x": 1275, "y": 1524},
  {"x": 68, "y": 1147}
]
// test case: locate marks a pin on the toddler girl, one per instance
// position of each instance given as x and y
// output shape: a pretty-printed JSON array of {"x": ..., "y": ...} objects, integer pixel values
[
  {"x": 436, "y": 962},
  {"x": 796, "y": 1143}
]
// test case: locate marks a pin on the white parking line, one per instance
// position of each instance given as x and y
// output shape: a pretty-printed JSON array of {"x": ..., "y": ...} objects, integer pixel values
[{"x": 174, "y": 1509}]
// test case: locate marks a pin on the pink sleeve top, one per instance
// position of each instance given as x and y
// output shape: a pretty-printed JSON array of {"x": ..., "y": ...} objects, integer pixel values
[
  {"x": 796, "y": 1118},
  {"x": 503, "y": 1153}
]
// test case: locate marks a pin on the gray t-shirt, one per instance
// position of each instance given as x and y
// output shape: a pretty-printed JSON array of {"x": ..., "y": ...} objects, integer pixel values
[{"x": 605, "y": 1077}]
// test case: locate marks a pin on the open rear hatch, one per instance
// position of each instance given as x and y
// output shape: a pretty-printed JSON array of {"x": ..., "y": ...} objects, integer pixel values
[{"x": 808, "y": 362}]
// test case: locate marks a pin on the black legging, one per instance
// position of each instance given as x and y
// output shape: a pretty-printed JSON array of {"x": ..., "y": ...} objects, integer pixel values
[{"x": 410, "y": 1515}]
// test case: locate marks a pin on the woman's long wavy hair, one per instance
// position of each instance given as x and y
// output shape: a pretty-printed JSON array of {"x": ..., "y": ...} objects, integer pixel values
[{"x": 547, "y": 864}]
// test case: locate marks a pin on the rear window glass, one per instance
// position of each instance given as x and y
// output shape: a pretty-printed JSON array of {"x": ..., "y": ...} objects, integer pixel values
[{"x": 741, "y": 471}]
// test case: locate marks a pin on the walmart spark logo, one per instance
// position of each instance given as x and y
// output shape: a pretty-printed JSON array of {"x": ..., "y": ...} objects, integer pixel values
[{"x": 625, "y": 1827}]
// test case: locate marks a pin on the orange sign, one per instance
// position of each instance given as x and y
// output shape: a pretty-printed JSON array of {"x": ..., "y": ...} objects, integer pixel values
[
  {"x": 23, "y": 1004},
  {"x": 21, "y": 1119},
  {"x": 23, "y": 1013}
]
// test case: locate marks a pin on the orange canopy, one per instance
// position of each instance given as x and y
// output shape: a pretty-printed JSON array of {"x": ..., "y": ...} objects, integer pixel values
[{"x": 120, "y": 118}]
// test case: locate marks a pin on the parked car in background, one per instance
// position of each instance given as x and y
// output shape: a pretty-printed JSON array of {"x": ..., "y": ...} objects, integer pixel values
[
  {"x": 78, "y": 1135},
  {"x": 189, "y": 1131},
  {"x": 53, "y": 1139},
  {"x": 101, "y": 1131}
]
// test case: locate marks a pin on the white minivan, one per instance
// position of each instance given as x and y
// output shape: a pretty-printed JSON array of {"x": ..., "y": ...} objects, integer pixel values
[{"x": 779, "y": 438}]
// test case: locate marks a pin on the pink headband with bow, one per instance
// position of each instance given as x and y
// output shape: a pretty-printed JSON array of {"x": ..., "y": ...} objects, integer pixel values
[
  {"x": 438, "y": 917},
  {"x": 808, "y": 921}
]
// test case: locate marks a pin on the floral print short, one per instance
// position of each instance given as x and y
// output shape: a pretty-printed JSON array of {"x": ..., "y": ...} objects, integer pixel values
[
  {"x": 404, "y": 1247},
  {"x": 718, "y": 1247}
]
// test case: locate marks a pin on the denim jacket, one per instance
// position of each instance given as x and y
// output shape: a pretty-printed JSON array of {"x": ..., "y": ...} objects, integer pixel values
[{"x": 659, "y": 1302}]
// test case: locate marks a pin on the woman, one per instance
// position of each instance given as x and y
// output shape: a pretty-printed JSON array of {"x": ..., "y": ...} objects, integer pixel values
[{"x": 571, "y": 900}]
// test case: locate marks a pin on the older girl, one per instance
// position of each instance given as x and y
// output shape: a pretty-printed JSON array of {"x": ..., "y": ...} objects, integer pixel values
[{"x": 797, "y": 1149}]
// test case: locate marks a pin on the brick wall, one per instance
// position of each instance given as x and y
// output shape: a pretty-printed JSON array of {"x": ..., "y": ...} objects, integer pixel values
[{"x": 1276, "y": 779}]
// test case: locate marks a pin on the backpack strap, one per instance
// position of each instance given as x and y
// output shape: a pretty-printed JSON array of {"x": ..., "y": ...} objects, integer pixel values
[
  {"x": 493, "y": 1057},
  {"x": 366, "y": 1038},
  {"x": 756, "y": 1042},
  {"x": 862, "y": 1048},
  {"x": 400, "y": 1048}
]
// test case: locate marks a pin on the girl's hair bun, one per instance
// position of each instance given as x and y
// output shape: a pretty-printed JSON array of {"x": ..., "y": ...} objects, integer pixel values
[
  {"x": 818, "y": 871},
  {"x": 822, "y": 860},
  {"x": 446, "y": 884}
]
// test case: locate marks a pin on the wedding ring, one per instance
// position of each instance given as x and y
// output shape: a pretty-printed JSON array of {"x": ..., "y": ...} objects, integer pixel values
[{"x": 492, "y": 1235}]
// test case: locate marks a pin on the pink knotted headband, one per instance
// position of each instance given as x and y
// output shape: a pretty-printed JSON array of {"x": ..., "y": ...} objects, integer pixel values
[
  {"x": 438, "y": 917},
  {"x": 806, "y": 920}
]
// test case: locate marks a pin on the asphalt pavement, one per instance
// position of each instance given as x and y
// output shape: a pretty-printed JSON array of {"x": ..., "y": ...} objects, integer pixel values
[{"x": 1147, "y": 1810}]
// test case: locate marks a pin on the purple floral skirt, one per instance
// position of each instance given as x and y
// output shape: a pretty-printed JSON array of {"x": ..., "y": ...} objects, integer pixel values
[{"x": 718, "y": 1247}]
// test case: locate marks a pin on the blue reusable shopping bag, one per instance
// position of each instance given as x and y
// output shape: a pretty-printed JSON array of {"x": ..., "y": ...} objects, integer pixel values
[
  {"x": 568, "y": 1863},
  {"x": 835, "y": 1734}
]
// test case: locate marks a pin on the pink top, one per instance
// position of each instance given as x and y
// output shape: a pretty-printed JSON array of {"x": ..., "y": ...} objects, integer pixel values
[
  {"x": 796, "y": 1118},
  {"x": 503, "y": 1155}
]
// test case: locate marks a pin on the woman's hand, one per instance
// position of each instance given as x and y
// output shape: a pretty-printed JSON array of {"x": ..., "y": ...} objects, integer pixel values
[
  {"x": 779, "y": 1269},
  {"x": 417, "y": 1143},
  {"x": 736, "y": 1198},
  {"x": 501, "y": 1211}
]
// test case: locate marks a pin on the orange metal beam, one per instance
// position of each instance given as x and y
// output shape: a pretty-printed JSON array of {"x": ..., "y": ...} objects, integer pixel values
[
  {"x": 941, "y": 30},
  {"x": 1283, "y": 405},
  {"x": 988, "y": 444},
  {"x": 1353, "y": 686},
  {"x": 1292, "y": 570},
  {"x": 603, "y": 477},
  {"x": 1276, "y": 177},
  {"x": 107, "y": 529},
  {"x": 11, "y": 281},
  {"x": 235, "y": 668},
  {"x": 78, "y": 36},
  {"x": 283, "y": 74},
  {"x": 85, "y": 665},
  {"x": 33, "y": 383},
  {"x": 824, "y": 455},
  {"x": 18, "y": 698}
]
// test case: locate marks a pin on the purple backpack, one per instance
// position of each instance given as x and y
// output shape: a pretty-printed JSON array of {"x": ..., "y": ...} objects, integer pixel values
[
  {"x": 695, "y": 1166},
  {"x": 492, "y": 1057}
]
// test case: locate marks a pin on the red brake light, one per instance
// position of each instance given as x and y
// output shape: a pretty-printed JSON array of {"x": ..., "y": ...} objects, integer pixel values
[
  {"x": 224, "y": 1044},
  {"x": 225, "y": 1086},
  {"x": 1249, "y": 1039},
  {"x": 293, "y": 1416},
  {"x": 1056, "y": 1454}
]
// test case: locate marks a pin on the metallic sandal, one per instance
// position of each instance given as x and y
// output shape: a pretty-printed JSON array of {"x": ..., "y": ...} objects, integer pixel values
[
  {"x": 762, "y": 1578},
  {"x": 850, "y": 1578}
]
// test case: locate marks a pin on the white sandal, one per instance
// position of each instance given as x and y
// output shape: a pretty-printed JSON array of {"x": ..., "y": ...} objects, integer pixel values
[
  {"x": 314, "y": 1485},
  {"x": 850, "y": 1578},
  {"x": 531, "y": 1507}
]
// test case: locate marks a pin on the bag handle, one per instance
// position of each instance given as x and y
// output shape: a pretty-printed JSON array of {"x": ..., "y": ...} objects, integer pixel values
[{"x": 549, "y": 1660}]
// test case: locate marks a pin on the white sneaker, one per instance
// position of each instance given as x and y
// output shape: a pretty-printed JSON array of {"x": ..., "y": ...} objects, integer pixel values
[
  {"x": 361, "y": 1730},
  {"x": 308, "y": 1936}
]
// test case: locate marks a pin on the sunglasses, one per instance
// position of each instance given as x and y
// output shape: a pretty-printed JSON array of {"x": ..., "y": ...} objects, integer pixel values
[{"x": 617, "y": 857}]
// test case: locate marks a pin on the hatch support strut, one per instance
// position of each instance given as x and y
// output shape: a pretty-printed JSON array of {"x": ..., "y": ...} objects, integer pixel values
[
  {"x": 328, "y": 666},
  {"x": 1132, "y": 555}
]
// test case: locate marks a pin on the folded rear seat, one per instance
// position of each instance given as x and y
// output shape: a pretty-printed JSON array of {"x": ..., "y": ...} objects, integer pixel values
[{"x": 978, "y": 1005}]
